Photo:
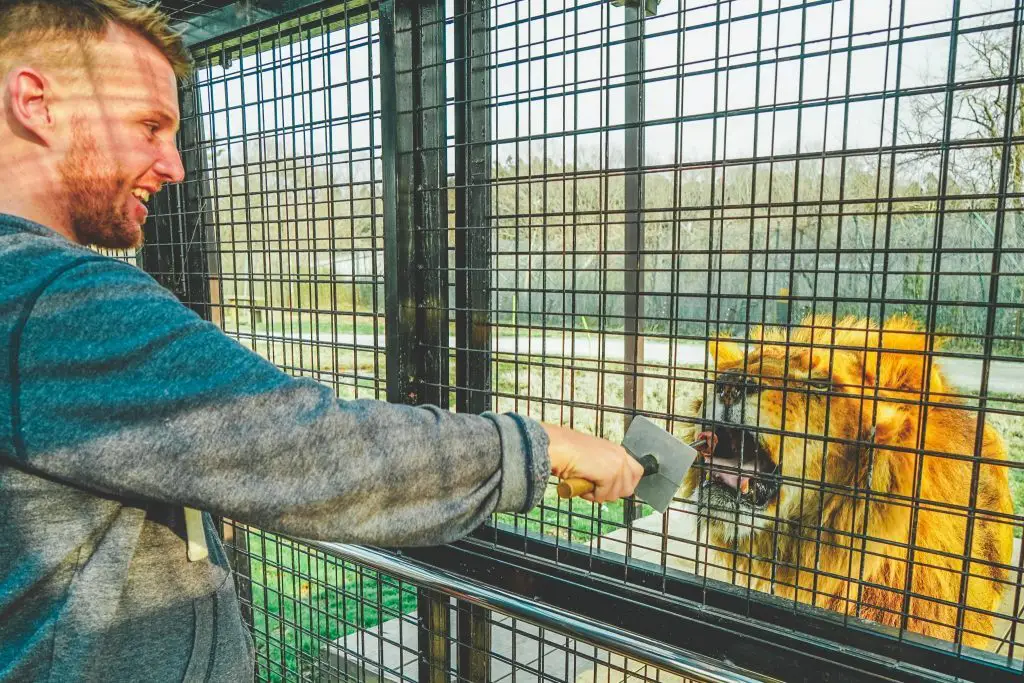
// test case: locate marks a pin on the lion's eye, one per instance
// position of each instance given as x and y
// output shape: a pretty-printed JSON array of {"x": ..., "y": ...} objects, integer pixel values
[{"x": 811, "y": 385}]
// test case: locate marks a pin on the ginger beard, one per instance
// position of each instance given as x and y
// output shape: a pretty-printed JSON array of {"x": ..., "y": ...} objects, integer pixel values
[{"x": 97, "y": 195}]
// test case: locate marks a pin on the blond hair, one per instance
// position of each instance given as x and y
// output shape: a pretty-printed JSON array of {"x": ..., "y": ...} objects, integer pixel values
[{"x": 25, "y": 25}]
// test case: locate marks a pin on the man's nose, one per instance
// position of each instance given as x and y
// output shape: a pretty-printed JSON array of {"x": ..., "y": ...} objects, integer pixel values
[{"x": 169, "y": 164}]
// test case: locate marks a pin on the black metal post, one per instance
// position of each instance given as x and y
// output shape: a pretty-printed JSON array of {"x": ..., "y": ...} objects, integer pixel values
[
  {"x": 473, "y": 232},
  {"x": 473, "y": 247},
  {"x": 415, "y": 200},
  {"x": 399, "y": 236},
  {"x": 429, "y": 160},
  {"x": 633, "y": 352},
  {"x": 414, "y": 141}
]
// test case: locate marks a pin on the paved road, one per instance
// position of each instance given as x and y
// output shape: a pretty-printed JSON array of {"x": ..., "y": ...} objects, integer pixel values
[{"x": 1004, "y": 376}]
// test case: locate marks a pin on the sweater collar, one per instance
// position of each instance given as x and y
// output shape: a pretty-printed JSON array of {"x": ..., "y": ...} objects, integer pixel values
[{"x": 11, "y": 223}]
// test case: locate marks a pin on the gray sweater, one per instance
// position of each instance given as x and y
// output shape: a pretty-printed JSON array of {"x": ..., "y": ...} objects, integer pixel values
[{"x": 119, "y": 406}]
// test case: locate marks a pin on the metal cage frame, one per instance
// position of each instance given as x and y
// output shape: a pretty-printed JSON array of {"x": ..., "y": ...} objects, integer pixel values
[{"x": 420, "y": 198}]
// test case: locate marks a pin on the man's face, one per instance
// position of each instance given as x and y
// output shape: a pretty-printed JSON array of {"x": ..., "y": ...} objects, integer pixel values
[{"x": 117, "y": 141}]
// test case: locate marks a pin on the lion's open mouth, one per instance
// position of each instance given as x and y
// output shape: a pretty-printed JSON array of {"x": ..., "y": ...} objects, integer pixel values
[{"x": 739, "y": 467}]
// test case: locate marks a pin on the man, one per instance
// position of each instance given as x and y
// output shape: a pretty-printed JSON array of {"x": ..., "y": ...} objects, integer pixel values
[{"x": 119, "y": 407}]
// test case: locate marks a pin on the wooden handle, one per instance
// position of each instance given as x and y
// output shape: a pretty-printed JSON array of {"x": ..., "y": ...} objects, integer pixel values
[{"x": 570, "y": 488}]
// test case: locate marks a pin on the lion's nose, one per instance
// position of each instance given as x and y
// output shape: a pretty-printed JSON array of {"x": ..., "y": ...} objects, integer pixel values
[{"x": 734, "y": 386}]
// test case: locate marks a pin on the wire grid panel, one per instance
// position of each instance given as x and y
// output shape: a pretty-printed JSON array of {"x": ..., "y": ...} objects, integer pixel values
[
  {"x": 311, "y": 614},
  {"x": 127, "y": 255},
  {"x": 290, "y": 139},
  {"x": 836, "y": 185},
  {"x": 316, "y": 617},
  {"x": 183, "y": 10},
  {"x": 285, "y": 206}
]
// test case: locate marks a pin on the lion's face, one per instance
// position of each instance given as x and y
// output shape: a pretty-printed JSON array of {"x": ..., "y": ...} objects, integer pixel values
[{"x": 769, "y": 411}]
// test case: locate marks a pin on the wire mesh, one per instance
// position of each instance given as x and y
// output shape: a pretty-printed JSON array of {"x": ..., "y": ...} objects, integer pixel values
[
  {"x": 284, "y": 204},
  {"x": 824, "y": 169},
  {"x": 652, "y": 183},
  {"x": 126, "y": 255},
  {"x": 183, "y": 10},
  {"x": 291, "y": 204}
]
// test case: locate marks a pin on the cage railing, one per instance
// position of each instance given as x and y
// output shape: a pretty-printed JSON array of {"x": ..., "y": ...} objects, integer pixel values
[{"x": 630, "y": 645}]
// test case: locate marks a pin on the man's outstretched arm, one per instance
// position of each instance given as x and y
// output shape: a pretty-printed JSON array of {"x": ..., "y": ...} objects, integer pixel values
[{"x": 122, "y": 390}]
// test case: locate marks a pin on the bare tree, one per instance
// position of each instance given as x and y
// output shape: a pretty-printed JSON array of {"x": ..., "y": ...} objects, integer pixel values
[{"x": 986, "y": 106}]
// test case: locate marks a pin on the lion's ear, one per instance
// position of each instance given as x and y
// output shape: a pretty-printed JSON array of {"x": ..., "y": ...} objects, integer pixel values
[
  {"x": 899, "y": 359},
  {"x": 724, "y": 352},
  {"x": 892, "y": 468},
  {"x": 893, "y": 424}
]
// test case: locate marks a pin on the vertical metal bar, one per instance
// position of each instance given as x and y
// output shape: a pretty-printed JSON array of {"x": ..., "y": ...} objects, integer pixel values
[
  {"x": 202, "y": 259},
  {"x": 431, "y": 210},
  {"x": 415, "y": 200},
  {"x": 472, "y": 269},
  {"x": 431, "y": 201},
  {"x": 931, "y": 320},
  {"x": 474, "y": 640},
  {"x": 414, "y": 140},
  {"x": 434, "y": 643},
  {"x": 633, "y": 353},
  {"x": 472, "y": 205},
  {"x": 399, "y": 245},
  {"x": 988, "y": 343}
]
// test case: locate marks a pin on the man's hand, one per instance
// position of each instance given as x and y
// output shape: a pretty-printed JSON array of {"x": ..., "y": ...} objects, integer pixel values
[{"x": 573, "y": 454}]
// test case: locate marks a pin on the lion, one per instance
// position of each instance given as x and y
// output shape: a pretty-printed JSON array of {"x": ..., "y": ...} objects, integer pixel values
[{"x": 835, "y": 522}]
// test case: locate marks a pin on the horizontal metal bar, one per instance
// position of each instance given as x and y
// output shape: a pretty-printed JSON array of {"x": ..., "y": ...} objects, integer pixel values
[{"x": 630, "y": 645}]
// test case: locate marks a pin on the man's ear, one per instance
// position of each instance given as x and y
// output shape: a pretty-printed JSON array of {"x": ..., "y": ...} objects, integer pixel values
[{"x": 28, "y": 100}]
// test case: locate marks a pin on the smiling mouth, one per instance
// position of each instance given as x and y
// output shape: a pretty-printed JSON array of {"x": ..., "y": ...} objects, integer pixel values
[
  {"x": 140, "y": 208},
  {"x": 739, "y": 470}
]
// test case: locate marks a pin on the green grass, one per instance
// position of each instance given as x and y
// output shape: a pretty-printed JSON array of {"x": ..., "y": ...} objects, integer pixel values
[
  {"x": 1011, "y": 427},
  {"x": 577, "y": 521}
]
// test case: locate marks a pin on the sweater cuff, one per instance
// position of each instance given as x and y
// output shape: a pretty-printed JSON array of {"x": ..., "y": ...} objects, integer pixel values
[{"x": 525, "y": 464}]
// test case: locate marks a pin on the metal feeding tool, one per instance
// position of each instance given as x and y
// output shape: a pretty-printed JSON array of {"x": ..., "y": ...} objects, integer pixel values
[{"x": 665, "y": 460}]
